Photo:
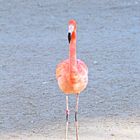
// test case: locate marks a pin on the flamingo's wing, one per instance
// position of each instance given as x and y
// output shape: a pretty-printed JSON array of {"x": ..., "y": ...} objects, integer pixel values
[
  {"x": 62, "y": 68},
  {"x": 80, "y": 74},
  {"x": 82, "y": 67}
]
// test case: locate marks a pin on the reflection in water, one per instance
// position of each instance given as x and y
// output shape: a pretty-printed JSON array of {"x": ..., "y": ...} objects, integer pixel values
[
  {"x": 77, "y": 134},
  {"x": 67, "y": 128}
]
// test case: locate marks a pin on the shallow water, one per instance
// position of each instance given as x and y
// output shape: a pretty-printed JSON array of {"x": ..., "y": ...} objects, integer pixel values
[{"x": 33, "y": 40}]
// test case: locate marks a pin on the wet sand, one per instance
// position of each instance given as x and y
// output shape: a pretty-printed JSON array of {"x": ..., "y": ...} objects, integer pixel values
[{"x": 33, "y": 40}]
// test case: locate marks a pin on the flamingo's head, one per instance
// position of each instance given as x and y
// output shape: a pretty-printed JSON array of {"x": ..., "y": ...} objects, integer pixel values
[{"x": 71, "y": 28}]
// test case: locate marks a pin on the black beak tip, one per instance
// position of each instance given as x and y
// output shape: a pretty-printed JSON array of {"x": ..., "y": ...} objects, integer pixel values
[{"x": 69, "y": 37}]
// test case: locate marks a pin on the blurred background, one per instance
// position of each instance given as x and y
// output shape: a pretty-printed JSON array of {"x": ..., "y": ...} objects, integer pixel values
[{"x": 33, "y": 40}]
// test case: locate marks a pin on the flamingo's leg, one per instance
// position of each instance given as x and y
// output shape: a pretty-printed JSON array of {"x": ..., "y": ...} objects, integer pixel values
[
  {"x": 67, "y": 109},
  {"x": 76, "y": 112},
  {"x": 67, "y": 117}
]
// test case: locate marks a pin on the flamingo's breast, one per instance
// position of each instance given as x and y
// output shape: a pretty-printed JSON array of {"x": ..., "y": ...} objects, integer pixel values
[{"x": 72, "y": 82}]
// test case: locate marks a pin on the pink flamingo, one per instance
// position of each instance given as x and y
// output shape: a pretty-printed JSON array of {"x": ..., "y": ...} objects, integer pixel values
[{"x": 72, "y": 74}]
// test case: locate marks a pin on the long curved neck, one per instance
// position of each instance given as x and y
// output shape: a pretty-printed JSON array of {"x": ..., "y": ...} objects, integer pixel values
[{"x": 72, "y": 53}]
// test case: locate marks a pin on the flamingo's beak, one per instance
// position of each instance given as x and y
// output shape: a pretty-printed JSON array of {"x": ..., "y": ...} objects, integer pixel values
[{"x": 69, "y": 37}]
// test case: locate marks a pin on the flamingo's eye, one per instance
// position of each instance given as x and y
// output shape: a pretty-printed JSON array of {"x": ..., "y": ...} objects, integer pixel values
[{"x": 71, "y": 28}]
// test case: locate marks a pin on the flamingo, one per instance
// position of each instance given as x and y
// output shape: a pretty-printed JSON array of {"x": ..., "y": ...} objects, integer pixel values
[{"x": 72, "y": 74}]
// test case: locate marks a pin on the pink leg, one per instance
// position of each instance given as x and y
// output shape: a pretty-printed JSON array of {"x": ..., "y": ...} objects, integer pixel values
[
  {"x": 67, "y": 117},
  {"x": 76, "y": 112}
]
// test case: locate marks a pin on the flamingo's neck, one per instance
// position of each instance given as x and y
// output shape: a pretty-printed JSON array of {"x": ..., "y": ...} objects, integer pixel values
[{"x": 72, "y": 53}]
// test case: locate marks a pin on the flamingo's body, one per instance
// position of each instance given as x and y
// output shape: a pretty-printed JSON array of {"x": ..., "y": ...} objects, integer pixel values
[
  {"x": 72, "y": 74},
  {"x": 72, "y": 82}
]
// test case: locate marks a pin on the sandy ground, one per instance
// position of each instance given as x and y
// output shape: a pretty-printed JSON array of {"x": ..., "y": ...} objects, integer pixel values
[{"x": 33, "y": 40}]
